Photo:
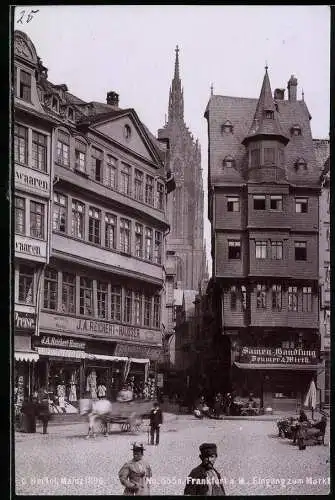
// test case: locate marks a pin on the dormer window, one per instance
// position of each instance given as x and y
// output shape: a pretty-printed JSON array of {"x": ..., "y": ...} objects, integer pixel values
[
  {"x": 25, "y": 85},
  {"x": 228, "y": 162},
  {"x": 54, "y": 104},
  {"x": 70, "y": 114},
  {"x": 296, "y": 130},
  {"x": 269, "y": 114},
  {"x": 227, "y": 127},
  {"x": 300, "y": 164}
]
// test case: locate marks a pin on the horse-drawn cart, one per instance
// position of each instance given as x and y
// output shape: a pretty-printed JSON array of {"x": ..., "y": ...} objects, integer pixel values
[{"x": 128, "y": 414}]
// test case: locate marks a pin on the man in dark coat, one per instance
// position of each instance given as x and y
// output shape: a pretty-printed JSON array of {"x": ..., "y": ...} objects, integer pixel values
[
  {"x": 29, "y": 410},
  {"x": 205, "y": 480},
  {"x": 44, "y": 412},
  {"x": 156, "y": 419}
]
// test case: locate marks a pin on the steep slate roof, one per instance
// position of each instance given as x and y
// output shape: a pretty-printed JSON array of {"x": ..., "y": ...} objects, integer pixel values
[
  {"x": 240, "y": 111},
  {"x": 260, "y": 124}
]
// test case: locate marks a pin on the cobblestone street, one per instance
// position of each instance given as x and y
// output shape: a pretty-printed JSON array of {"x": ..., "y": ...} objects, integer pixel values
[{"x": 251, "y": 457}]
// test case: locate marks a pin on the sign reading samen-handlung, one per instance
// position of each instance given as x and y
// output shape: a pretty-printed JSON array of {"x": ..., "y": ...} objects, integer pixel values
[{"x": 299, "y": 356}]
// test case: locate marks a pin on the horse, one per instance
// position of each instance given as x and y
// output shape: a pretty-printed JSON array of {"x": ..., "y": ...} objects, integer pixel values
[{"x": 95, "y": 409}]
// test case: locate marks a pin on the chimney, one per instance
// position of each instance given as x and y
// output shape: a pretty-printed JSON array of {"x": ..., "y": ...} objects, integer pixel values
[
  {"x": 113, "y": 99},
  {"x": 292, "y": 88},
  {"x": 279, "y": 94}
]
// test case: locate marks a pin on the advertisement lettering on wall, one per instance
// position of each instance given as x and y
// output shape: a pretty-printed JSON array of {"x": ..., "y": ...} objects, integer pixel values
[
  {"x": 25, "y": 320},
  {"x": 99, "y": 328},
  {"x": 278, "y": 355}
]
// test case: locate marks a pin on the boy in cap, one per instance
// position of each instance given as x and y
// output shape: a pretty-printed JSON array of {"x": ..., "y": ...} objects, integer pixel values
[
  {"x": 156, "y": 419},
  {"x": 205, "y": 480},
  {"x": 134, "y": 474}
]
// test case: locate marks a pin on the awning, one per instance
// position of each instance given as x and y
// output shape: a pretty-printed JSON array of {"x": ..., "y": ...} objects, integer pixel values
[
  {"x": 139, "y": 360},
  {"x": 279, "y": 366},
  {"x": 26, "y": 356},
  {"x": 61, "y": 353},
  {"x": 105, "y": 357}
]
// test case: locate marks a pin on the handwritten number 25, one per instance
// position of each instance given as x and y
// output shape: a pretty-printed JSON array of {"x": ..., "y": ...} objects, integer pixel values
[{"x": 29, "y": 16}]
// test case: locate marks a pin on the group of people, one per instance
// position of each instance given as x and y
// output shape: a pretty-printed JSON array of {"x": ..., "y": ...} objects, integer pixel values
[
  {"x": 35, "y": 407},
  {"x": 224, "y": 405},
  {"x": 203, "y": 480}
]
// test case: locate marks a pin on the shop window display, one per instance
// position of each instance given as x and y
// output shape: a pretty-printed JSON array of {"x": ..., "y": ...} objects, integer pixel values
[{"x": 64, "y": 387}]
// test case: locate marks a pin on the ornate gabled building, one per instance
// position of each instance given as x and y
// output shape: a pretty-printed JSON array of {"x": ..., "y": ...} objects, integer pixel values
[
  {"x": 263, "y": 208},
  {"x": 186, "y": 204},
  {"x": 90, "y": 224}
]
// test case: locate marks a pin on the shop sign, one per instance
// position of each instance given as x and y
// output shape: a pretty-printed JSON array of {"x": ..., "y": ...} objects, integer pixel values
[
  {"x": 138, "y": 351},
  {"x": 49, "y": 341},
  {"x": 30, "y": 247},
  {"x": 98, "y": 328},
  {"x": 25, "y": 320},
  {"x": 37, "y": 181},
  {"x": 299, "y": 356}
]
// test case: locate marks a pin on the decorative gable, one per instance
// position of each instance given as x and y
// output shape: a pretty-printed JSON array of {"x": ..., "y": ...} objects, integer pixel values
[
  {"x": 127, "y": 132},
  {"x": 24, "y": 48}
]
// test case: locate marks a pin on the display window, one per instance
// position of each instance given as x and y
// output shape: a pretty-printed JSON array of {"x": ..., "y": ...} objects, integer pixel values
[{"x": 64, "y": 386}]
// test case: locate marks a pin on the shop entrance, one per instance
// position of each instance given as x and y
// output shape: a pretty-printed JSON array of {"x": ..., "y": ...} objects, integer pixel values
[{"x": 64, "y": 385}]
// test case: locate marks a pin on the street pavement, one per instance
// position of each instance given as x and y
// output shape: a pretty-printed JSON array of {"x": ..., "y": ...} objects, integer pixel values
[{"x": 252, "y": 459}]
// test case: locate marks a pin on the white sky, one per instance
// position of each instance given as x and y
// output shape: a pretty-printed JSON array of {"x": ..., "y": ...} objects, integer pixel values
[{"x": 130, "y": 49}]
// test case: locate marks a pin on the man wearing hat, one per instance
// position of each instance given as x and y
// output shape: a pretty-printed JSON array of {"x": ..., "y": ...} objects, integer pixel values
[
  {"x": 205, "y": 480},
  {"x": 134, "y": 474},
  {"x": 156, "y": 419}
]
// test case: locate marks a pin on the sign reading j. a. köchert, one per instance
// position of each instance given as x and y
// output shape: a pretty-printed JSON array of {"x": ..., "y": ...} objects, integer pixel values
[
  {"x": 24, "y": 320},
  {"x": 97, "y": 328},
  {"x": 274, "y": 355},
  {"x": 52, "y": 341}
]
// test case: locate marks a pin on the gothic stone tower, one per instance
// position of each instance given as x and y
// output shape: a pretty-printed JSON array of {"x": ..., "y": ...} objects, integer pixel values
[{"x": 186, "y": 204}]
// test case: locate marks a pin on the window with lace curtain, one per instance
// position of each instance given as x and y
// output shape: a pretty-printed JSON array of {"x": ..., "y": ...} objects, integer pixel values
[
  {"x": 26, "y": 284},
  {"x": 86, "y": 297},
  {"x": 36, "y": 220},
  {"x": 78, "y": 217},
  {"x": 68, "y": 293},
  {"x": 20, "y": 215},
  {"x": 116, "y": 303},
  {"x": 50, "y": 289}
]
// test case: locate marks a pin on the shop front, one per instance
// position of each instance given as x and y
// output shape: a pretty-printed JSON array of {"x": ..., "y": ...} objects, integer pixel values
[
  {"x": 141, "y": 369},
  {"x": 25, "y": 358},
  {"x": 80, "y": 357},
  {"x": 279, "y": 377}
]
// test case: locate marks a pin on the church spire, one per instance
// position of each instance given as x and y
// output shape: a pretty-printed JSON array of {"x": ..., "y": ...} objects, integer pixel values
[{"x": 176, "y": 98}]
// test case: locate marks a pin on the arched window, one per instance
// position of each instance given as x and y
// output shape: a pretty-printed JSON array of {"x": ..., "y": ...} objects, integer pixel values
[
  {"x": 228, "y": 162},
  {"x": 300, "y": 164},
  {"x": 227, "y": 127},
  {"x": 269, "y": 114},
  {"x": 127, "y": 131},
  {"x": 296, "y": 130}
]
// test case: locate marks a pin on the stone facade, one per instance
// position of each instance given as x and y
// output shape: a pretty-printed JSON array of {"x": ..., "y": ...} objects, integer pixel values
[{"x": 186, "y": 205}]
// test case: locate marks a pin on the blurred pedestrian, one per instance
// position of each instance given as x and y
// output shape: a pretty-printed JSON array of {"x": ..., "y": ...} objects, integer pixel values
[
  {"x": 134, "y": 474},
  {"x": 29, "y": 411},
  {"x": 156, "y": 419},
  {"x": 205, "y": 480},
  {"x": 43, "y": 409}
]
